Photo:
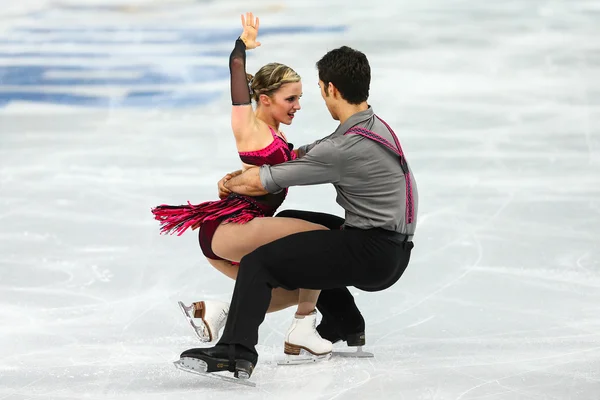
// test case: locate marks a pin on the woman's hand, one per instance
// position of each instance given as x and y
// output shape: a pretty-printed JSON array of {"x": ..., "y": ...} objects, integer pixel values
[{"x": 250, "y": 26}]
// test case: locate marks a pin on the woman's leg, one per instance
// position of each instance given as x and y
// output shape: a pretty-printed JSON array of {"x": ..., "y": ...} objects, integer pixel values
[
  {"x": 307, "y": 301},
  {"x": 280, "y": 298},
  {"x": 225, "y": 267},
  {"x": 234, "y": 241}
]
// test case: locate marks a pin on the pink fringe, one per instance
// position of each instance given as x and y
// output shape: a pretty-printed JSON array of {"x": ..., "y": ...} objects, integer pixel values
[{"x": 177, "y": 219}]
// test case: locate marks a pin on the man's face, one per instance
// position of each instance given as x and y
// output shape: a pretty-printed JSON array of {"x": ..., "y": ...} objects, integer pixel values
[{"x": 329, "y": 98}]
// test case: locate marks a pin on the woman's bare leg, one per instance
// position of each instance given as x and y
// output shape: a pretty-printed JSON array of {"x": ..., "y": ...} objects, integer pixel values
[
  {"x": 234, "y": 241},
  {"x": 280, "y": 298},
  {"x": 225, "y": 267},
  {"x": 307, "y": 301}
]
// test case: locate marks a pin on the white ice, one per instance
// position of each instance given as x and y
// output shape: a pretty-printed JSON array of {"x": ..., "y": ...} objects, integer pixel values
[{"x": 497, "y": 105}]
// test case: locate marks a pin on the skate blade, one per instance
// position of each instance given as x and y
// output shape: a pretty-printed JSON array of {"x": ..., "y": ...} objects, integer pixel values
[
  {"x": 200, "y": 331},
  {"x": 359, "y": 353},
  {"x": 199, "y": 367},
  {"x": 304, "y": 357}
]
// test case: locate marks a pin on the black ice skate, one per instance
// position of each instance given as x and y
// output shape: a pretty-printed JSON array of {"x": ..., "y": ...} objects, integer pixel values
[
  {"x": 209, "y": 362},
  {"x": 329, "y": 332}
]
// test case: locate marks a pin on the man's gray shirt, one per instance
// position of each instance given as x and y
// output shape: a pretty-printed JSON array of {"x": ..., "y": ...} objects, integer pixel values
[{"x": 367, "y": 176}]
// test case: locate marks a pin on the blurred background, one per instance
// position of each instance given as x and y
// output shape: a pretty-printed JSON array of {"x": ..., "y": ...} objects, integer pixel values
[{"x": 108, "y": 108}]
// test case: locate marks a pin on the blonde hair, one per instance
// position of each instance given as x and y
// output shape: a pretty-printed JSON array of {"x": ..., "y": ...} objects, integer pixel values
[{"x": 270, "y": 78}]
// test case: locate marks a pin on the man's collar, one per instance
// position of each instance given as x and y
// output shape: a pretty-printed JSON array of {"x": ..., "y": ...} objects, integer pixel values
[{"x": 355, "y": 119}]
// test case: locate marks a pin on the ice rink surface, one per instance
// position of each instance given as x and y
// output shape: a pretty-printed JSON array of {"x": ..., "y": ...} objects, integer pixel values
[{"x": 109, "y": 108}]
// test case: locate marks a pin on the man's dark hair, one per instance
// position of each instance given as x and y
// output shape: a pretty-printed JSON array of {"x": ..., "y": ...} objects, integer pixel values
[{"x": 349, "y": 71}]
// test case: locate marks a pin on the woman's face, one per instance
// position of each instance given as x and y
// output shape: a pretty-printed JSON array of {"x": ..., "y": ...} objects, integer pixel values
[{"x": 285, "y": 102}]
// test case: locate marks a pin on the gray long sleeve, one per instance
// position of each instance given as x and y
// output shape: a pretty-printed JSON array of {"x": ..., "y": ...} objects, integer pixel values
[
  {"x": 321, "y": 165},
  {"x": 302, "y": 150}
]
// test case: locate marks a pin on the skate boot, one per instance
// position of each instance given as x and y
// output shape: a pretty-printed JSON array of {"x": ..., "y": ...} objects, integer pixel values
[
  {"x": 303, "y": 344},
  {"x": 342, "y": 321},
  {"x": 329, "y": 332},
  {"x": 207, "y": 318},
  {"x": 209, "y": 361}
]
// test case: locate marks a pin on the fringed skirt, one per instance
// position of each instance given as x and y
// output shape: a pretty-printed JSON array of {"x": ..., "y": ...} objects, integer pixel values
[{"x": 234, "y": 208}]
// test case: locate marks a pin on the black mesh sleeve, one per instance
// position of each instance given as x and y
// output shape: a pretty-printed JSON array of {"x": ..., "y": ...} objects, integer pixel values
[{"x": 240, "y": 93}]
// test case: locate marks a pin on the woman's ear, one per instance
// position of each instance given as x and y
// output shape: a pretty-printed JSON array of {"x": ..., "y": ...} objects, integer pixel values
[{"x": 264, "y": 100}]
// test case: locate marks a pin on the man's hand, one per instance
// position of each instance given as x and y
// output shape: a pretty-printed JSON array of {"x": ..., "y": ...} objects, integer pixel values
[
  {"x": 247, "y": 184},
  {"x": 223, "y": 191}
]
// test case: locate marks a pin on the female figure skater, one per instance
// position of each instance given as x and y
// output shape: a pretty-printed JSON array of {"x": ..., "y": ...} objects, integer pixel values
[{"x": 234, "y": 226}]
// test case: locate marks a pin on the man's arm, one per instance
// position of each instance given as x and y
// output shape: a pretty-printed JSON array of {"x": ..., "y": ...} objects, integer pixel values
[
  {"x": 322, "y": 165},
  {"x": 302, "y": 150},
  {"x": 247, "y": 183}
]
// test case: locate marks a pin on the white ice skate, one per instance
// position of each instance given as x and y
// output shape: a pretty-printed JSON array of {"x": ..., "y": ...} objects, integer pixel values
[
  {"x": 207, "y": 318},
  {"x": 303, "y": 344}
]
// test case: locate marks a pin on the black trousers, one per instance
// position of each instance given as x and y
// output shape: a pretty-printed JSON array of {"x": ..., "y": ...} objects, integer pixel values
[
  {"x": 371, "y": 260},
  {"x": 337, "y": 306}
]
